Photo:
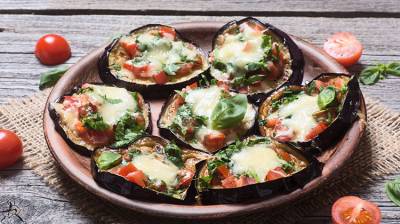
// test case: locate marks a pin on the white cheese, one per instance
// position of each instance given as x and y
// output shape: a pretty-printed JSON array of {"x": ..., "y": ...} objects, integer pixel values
[
  {"x": 297, "y": 115},
  {"x": 203, "y": 101},
  {"x": 112, "y": 112},
  {"x": 257, "y": 159},
  {"x": 156, "y": 169}
]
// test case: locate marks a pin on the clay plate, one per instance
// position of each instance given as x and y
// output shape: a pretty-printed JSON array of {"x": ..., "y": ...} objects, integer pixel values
[{"x": 77, "y": 166}]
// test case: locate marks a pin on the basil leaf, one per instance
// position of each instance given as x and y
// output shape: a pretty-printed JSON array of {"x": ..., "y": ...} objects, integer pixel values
[
  {"x": 95, "y": 122},
  {"x": 171, "y": 69},
  {"x": 393, "y": 68},
  {"x": 392, "y": 189},
  {"x": 220, "y": 66},
  {"x": 288, "y": 96},
  {"x": 327, "y": 97},
  {"x": 253, "y": 66},
  {"x": 266, "y": 41},
  {"x": 50, "y": 78},
  {"x": 370, "y": 75},
  {"x": 174, "y": 154},
  {"x": 127, "y": 131},
  {"x": 229, "y": 112},
  {"x": 108, "y": 160}
]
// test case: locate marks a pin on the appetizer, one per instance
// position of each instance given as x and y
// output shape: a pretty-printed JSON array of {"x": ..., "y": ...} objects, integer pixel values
[
  {"x": 95, "y": 116},
  {"x": 153, "y": 60},
  {"x": 206, "y": 118},
  {"x": 318, "y": 113},
  {"x": 254, "y": 58},
  {"x": 150, "y": 168},
  {"x": 246, "y": 169}
]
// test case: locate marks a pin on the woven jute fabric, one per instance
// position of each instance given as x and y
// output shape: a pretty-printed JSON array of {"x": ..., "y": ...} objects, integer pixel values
[{"x": 378, "y": 155}]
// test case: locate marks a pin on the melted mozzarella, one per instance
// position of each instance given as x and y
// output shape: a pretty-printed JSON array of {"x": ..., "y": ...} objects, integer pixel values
[
  {"x": 257, "y": 159},
  {"x": 203, "y": 101},
  {"x": 232, "y": 50},
  {"x": 112, "y": 112},
  {"x": 300, "y": 119},
  {"x": 156, "y": 169}
]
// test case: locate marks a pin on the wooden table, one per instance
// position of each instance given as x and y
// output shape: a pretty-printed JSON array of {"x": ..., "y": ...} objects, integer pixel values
[{"x": 24, "y": 197}]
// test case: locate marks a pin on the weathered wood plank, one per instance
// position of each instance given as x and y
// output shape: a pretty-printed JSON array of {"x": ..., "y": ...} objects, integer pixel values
[
  {"x": 203, "y": 7},
  {"x": 20, "y": 69}
]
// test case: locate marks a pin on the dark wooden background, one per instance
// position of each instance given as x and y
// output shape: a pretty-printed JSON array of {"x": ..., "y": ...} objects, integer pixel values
[{"x": 24, "y": 197}]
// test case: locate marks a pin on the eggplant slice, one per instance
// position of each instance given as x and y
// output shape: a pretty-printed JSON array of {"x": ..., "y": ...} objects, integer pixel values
[
  {"x": 95, "y": 115},
  {"x": 252, "y": 169},
  {"x": 206, "y": 118},
  {"x": 153, "y": 60},
  {"x": 151, "y": 168},
  {"x": 314, "y": 116},
  {"x": 255, "y": 58}
]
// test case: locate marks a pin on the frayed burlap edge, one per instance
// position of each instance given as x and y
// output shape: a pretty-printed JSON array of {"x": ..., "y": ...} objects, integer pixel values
[{"x": 378, "y": 155}]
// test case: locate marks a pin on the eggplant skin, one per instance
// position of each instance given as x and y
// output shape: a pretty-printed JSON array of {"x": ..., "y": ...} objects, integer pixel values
[
  {"x": 336, "y": 130},
  {"x": 168, "y": 134},
  {"x": 120, "y": 185},
  {"x": 262, "y": 191},
  {"x": 79, "y": 148},
  {"x": 296, "y": 56},
  {"x": 151, "y": 91}
]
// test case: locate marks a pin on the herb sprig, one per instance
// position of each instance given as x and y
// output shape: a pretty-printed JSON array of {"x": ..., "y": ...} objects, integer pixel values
[{"x": 373, "y": 74}]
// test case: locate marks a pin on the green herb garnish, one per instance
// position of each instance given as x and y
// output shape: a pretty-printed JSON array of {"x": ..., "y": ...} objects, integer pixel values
[
  {"x": 109, "y": 100},
  {"x": 50, "y": 78},
  {"x": 392, "y": 189},
  {"x": 174, "y": 154},
  {"x": 287, "y": 97},
  {"x": 373, "y": 74},
  {"x": 127, "y": 130},
  {"x": 229, "y": 111},
  {"x": 327, "y": 97},
  {"x": 95, "y": 122}
]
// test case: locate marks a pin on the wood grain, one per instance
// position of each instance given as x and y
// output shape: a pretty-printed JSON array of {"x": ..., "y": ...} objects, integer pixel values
[{"x": 209, "y": 7}]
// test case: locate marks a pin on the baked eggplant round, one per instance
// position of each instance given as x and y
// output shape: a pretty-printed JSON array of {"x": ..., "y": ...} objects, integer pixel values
[
  {"x": 95, "y": 115},
  {"x": 314, "y": 116},
  {"x": 153, "y": 60},
  {"x": 255, "y": 168},
  {"x": 151, "y": 168},
  {"x": 206, "y": 118},
  {"x": 254, "y": 58}
]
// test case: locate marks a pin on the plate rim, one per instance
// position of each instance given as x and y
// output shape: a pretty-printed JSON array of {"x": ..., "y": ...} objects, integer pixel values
[{"x": 335, "y": 163}]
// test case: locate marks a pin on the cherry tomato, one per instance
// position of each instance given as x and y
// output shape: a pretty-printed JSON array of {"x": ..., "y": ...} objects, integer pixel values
[
  {"x": 10, "y": 148},
  {"x": 130, "y": 48},
  {"x": 138, "y": 71},
  {"x": 315, "y": 131},
  {"x": 223, "y": 170},
  {"x": 52, "y": 49},
  {"x": 275, "y": 174},
  {"x": 136, "y": 177},
  {"x": 344, "y": 47},
  {"x": 354, "y": 210},
  {"x": 160, "y": 78},
  {"x": 125, "y": 170},
  {"x": 168, "y": 32},
  {"x": 214, "y": 141}
]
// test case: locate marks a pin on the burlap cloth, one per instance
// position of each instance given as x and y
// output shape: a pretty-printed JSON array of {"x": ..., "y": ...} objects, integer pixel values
[{"x": 378, "y": 155}]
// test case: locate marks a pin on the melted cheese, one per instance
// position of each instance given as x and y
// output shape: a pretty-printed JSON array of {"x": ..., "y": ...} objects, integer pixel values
[
  {"x": 203, "y": 101},
  {"x": 156, "y": 169},
  {"x": 257, "y": 159},
  {"x": 112, "y": 112},
  {"x": 232, "y": 50},
  {"x": 297, "y": 115}
]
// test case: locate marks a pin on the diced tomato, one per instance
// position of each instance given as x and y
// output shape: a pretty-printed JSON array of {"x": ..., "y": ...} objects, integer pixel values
[
  {"x": 319, "y": 84},
  {"x": 70, "y": 101},
  {"x": 140, "y": 120},
  {"x": 223, "y": 85},
  {"x": 138, "y": 71},
  {"x": 283, "y": 154},
  {"x": 321, "y": 126},
  {"x": 229, "y": 182},
  {"x": 131, "y": 48},
  {"x": 192, "y": 86},
  {"x": 274, "y": 71},
  {"x": 244, "y": 181},
  {"x": 84, "y": 110},
  {"x": 283, "y": 134},
  {"x": 186, "y": 178},
  {"x": 168, "y": 32},
  {"x": 223, "y": 170},
  {"x": 160, "y": 78},
  {"x": 354, "y": 210},
  {"x": 344, "y": 47},
  {"x": 96, "y": 138},
  {"x": 125, "y": 170},
  {"x": 137, "y": 177},
  {"x": 275, "y": 174},
  {"x": 185, "y": 69},
  {"x": 272, "y": 122},
  {"x": 214, "y": 141}
]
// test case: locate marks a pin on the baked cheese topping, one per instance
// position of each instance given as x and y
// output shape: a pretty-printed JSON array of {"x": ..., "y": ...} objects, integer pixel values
[
  {"x": 157, "y": 169},
  {"x": 257, "y": 159},
  {"x": 297, "y": 116}
]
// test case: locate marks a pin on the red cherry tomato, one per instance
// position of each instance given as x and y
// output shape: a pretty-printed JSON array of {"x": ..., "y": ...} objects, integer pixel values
[
  {"x": 168, "y": 32},
  {"x": 125, "y": 170},
  {"x": 275, "y": 174},
  {"x": 160, "y": 78},
  {"x": 354, "y": 210},
  {"x": 223, "y": 170},
  {"x": 344, "y": 47},
  {"x": 52, "y": 49},
  {"x": 130, "y": 48},
  {"x": 10, "y": 148}
]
